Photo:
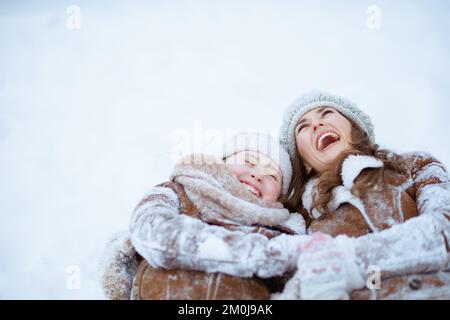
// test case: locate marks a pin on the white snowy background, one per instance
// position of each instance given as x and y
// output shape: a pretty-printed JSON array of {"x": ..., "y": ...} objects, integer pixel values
[{"x": 90, "y": 117}]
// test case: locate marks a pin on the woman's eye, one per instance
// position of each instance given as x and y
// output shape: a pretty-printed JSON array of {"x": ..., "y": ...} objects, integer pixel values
[
  {"x": 300, "y": 128},
  {"x": 326, "y": 112}
]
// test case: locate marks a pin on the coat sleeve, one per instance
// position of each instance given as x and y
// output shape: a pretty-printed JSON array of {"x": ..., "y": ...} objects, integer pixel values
[
  {"x": 420, "y": 244},
  {"x": 168, "y": 239}
]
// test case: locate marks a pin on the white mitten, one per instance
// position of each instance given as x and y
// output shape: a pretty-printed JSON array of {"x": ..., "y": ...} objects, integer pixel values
[{"x": 327, "y": 268}]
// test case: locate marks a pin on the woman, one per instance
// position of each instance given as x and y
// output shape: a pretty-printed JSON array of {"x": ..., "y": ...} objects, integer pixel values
[{"x": 344, "y": 184}]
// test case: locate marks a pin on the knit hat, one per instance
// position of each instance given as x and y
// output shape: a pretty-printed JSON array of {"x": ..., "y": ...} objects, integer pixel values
[
  {"x": 264, "y": 144},
  {"x": 316, "y": 99}
]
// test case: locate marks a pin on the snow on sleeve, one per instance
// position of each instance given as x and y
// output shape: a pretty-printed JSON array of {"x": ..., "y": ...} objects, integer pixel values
[
  {"x": 414, "y": 246},
  {"x": 168, "y": 239},
  {"x": 432, "y": 183},
  {"x": 420, "y": 244},
  {"x": 214, "y": 247},
  {"x": 432, "y": 171}
]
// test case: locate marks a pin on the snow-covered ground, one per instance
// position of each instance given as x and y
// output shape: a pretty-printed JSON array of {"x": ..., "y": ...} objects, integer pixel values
[{"x": 91, "y": 118}]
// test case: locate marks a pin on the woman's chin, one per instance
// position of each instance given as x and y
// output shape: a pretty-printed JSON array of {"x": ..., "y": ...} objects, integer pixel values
[{"x": 328, "y": 161}]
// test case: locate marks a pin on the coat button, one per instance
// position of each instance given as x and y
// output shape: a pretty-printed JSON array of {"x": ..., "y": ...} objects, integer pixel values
[{"x": 415, "y": 284}]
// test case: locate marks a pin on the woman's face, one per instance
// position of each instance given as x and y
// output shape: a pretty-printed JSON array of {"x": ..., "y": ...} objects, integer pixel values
[
  {"x": 321, "y": 135},
  {"x": 258, "y": 173}
]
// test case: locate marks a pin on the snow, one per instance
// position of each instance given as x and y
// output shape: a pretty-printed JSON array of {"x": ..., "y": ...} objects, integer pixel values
[
  {"x": 434, "y": 171},
  {"x": 214, "y": 248},
  {"x": 295, "y": 222},
  {"x": 169, "y": 194},
  {"x": 92, "y": 119},
  {"x": 398, "y": 205},
  {"x": 439, "y": 194}
]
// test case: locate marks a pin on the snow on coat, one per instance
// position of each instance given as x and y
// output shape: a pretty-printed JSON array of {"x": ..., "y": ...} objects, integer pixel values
[
  {"x": 403, "y": 225},
  {"x": 417, "y": 247},
  {"x": 168, "y": 239}
]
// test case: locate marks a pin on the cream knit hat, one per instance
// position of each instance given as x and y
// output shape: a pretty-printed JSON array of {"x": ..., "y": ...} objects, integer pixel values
[
  {"x": 265, "y": 144},
  {"x": 316, "y": 99}
]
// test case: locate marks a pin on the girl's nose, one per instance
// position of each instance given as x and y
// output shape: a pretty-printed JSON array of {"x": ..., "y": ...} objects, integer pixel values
[{"x": 256, "y": 176}]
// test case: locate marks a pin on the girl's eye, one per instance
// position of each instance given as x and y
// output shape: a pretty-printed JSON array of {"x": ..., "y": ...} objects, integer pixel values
[
  {"x": 273, "y": 177},
  {"x": 249, "y": 163}
]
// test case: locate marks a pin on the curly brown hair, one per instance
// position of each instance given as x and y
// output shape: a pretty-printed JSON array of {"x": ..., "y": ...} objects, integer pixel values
[{"x": 360, "y": 145}]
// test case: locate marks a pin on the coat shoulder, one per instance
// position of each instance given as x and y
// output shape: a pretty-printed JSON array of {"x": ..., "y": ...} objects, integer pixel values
[
  {"x": 417, "y": 160},
  {"x": 425, "y": 169},
  {"x": 168, "y": 191}
]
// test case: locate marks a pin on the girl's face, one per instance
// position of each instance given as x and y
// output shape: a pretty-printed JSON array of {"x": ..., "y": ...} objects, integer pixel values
[
  {"x": 321, "y": 135},
  {"x": 258, "y": 173}
]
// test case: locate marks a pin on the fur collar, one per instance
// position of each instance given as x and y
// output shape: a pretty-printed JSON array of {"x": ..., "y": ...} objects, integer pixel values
[{"x": 353, "y": 165}]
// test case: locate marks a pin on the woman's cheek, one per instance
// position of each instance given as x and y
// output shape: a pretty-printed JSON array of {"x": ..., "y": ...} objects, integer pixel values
[
  {"x": 303, "y": 148},
  {"x": 345, "y": 126}
]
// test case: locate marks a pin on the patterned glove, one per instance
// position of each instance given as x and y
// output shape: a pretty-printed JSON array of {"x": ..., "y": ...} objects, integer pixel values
[{"x": 327, "y": 268}]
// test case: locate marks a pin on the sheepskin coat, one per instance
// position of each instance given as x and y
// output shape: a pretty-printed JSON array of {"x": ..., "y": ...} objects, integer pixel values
[{"x": 413, "y": 209}]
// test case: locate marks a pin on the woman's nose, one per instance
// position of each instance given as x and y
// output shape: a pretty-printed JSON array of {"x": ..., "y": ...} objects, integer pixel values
[{"x": 317, "y": 125}]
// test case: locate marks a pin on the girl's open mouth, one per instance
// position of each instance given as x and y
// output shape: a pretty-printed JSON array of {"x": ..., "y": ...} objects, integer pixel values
[
  {"x": 251, "y": 188},
  {"x": 327, "y": 139}
]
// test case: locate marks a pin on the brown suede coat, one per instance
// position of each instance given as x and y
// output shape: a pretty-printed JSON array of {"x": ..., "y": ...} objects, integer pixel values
[{"x": 388, "y": 203}]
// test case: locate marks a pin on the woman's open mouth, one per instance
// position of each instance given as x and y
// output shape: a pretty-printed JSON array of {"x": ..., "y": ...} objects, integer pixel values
[
  {"x": 326, "y": 140},
  {"x": 251, "y": 188}
]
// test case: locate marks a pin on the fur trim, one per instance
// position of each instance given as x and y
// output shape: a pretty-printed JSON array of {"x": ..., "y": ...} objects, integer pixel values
[
  {"x": 307, "y": 198},
  {"x": 353, "y": 165},
  {"x": 118, "y": 267}
]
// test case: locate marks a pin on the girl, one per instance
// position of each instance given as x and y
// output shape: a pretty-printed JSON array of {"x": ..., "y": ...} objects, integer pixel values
[
  {"x": 222, "y": 218},
  {"x": 344, "y": 184}
]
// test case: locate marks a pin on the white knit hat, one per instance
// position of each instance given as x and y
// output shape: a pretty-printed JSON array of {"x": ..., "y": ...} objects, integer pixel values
[
  {"x": 316, "y": 99},
  {"x": 264, "y": 144}
]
